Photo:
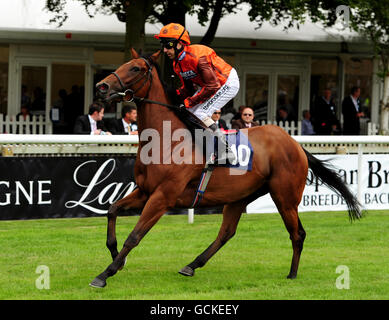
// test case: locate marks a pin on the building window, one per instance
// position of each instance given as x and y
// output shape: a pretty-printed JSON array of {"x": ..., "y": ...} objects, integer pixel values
[
  {"x": 287, "y": 97},
  {"x": 359, "y": 73},
  {"x": 324, "y": 75},
  {"x": 257, "y": 89}
]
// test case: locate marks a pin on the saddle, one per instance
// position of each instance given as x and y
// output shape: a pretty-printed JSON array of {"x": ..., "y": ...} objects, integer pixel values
[{"x": 236, "y": 138}]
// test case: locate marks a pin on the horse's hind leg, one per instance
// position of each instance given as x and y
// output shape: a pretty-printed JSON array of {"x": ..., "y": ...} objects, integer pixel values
[
  {"x": 231, "y": 215},
  {"x": 287, "y": 206},
  {"x": 136, "y": 200}
]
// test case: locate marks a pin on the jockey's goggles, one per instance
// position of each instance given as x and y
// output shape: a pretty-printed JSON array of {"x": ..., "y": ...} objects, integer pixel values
[{"x": 169, "y": 44}]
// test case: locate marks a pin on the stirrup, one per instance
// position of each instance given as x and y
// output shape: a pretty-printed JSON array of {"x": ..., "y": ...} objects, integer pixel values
[
  {"x": 228, "y": 157},
  {"x": 211, "y": 160}
]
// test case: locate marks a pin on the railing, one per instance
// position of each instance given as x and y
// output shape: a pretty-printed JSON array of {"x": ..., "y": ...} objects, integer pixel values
[
  {"x": 32, "y": 125},
  {"x": 52, "y": 145},
  {"x": 294, "y": 127},
  {"x": 65, "y": 145},
  {"x": 25, "y": 145},
  {"x": 38, "y": 125}
]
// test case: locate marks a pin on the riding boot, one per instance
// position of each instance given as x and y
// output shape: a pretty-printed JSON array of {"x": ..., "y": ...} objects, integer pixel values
[{"x": 224, "y": 148}]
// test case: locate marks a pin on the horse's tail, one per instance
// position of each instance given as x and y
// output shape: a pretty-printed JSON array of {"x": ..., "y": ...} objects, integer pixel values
[{"x": 334, "y": 181}]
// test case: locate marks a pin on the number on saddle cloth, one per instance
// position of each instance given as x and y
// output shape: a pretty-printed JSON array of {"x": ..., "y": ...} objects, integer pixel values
[{"x": 240, "y": 145}]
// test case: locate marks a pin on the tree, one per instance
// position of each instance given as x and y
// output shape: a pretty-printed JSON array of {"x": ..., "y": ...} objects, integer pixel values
[{"x": 132, "y": 13}]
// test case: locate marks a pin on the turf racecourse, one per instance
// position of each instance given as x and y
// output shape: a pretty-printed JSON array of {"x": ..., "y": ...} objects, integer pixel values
[{"x": 253, "y": 265}]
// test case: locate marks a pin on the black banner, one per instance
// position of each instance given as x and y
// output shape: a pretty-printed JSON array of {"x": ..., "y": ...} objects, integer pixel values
[{"x": 65, "y": 187}]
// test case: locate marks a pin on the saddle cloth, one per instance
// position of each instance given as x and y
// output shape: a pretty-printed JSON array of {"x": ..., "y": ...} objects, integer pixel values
[{"x": 240, "y": 146}]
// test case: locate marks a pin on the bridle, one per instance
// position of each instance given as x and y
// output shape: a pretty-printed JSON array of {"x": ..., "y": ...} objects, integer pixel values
[{"x": 148, "y": 77}]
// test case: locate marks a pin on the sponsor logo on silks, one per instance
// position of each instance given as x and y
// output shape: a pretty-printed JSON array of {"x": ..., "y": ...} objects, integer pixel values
[
  {"x": 182, "y": 56},
  {"x": 188, "y": 74},
  {"x": 216, "y": 96}
]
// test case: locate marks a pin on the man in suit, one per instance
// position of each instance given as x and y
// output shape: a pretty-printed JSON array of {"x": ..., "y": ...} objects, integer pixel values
[
  {"x": 221, "y": 124},
  {"x": 351, "y": 109},
  {"x": 324, "y": 117},
  {"x": 127, "y": 123},
  {"x": 246, "y": 120},
  {"x": 91, "y": 123}
]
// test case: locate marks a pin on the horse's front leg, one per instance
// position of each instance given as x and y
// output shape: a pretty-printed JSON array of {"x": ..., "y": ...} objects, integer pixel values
[
  {"x": 154, "y": 208},
  {"x": 135, "y": 200}
]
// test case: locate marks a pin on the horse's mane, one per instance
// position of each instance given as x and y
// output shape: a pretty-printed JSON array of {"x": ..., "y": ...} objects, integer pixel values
[
  {"x": 170, "y": 91},
  {"x": 185, "y": 116}
]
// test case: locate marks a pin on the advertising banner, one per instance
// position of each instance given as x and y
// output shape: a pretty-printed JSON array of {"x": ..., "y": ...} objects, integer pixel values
[
  {"x": 318, "y": 197},
  {"x": 59, "y": 187},
  {"x": 64, "y": 187}
]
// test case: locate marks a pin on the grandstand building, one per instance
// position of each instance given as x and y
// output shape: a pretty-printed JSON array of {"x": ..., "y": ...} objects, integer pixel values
[{"x": 274, "y": 66}]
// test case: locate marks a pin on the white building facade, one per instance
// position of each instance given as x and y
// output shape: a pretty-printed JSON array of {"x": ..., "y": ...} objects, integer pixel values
[{"x": 274, "y": 66}]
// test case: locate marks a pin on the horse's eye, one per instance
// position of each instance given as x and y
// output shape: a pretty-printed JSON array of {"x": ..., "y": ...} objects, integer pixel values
[{"x": 135, "y": 69}]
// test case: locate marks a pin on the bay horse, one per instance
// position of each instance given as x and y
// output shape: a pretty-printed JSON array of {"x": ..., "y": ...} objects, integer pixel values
[{"x": 279, "y": 167}]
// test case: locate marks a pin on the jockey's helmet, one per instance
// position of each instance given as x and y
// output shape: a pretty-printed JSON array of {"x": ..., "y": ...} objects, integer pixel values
[{"x": 173, "y": 31}]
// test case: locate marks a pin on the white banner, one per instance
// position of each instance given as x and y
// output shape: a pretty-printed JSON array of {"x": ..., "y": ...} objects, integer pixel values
[{"x": 317, "y": 197}]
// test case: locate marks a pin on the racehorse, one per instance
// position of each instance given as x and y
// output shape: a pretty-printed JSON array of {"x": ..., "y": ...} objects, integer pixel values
[{"x": 279, "y": 167}]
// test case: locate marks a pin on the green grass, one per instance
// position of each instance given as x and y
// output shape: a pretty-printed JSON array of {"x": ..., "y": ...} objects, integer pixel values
[{"x": 252, "y": 265}]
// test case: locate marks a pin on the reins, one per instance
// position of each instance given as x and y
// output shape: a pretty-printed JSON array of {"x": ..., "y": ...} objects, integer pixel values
[{"x": 148, "y": 77}]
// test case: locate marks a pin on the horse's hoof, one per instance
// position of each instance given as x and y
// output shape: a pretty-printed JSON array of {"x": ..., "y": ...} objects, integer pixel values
[
  {"x": 187, "y": 271},
  {"x": 98, "y": 283},
  {"x": 291, "y": 276},
  {"x": 123, "y": 264}
]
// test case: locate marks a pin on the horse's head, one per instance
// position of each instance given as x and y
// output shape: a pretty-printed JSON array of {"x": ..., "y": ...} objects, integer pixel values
[{"x": 130, "y": 78}]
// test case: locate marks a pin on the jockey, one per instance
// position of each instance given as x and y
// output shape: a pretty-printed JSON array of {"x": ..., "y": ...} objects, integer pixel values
[{"x": 208, "y": 82}]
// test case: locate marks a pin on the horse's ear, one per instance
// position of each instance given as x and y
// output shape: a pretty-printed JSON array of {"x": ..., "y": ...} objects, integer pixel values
[
  {"x": 155, "y": 56},
  {"x": 134, "y": 54}
]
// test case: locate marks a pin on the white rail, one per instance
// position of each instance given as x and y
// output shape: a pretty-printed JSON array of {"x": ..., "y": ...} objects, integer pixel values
[
  {"x": 134, "y": 139},
  {"x": 38, "y": 125},
  {"x": 67, "y": 139},
  {"x": 125, "y": 144}
]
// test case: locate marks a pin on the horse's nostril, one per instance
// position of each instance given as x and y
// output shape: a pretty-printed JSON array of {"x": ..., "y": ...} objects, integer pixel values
[{"x": 102, "y": 88}]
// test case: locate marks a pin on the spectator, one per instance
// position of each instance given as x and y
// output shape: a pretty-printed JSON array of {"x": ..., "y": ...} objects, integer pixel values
[
  {"x": 91, "y": 123},
  {"x": 246, "y": 121},
  {"x": 306, "y": 125},
  {"x": 57, "y": 112},
  {"x": 24, "y": 114},
  {"x": 324, "y": 115},
  {"x": 127, "y": 123},
  {"x": 283, "y": 103},
  {"x": 351, "y": 109},
  {"x": 228, "y": 113},
  {"x": 283, "y": 115},
  {"x": 238, "y": 115},
  {"x": 219, "y": 122}
]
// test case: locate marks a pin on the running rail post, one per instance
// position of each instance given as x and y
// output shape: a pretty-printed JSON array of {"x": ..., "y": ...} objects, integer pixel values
[
  {"x": 359, "y": 189},
  {"x": 190, "y": 215}
]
